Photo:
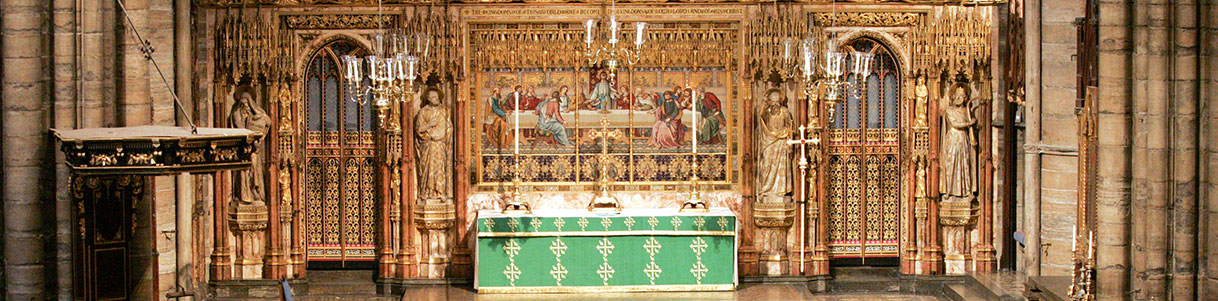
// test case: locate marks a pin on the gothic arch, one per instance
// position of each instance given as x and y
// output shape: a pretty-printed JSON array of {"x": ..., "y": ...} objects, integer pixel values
[{"x": 886, "y": 39}]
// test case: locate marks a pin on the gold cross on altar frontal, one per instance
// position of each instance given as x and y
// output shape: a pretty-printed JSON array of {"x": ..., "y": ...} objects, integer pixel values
[
  {"x": 558, "y": 248},
  {"x": 652, "y": 246},
  {"x": 605, "y": 247}
]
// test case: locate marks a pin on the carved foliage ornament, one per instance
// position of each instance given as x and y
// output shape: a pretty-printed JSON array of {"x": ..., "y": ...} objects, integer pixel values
[
  {"x": 876, "y": 19},
  {"x": 345, "y": 21}
]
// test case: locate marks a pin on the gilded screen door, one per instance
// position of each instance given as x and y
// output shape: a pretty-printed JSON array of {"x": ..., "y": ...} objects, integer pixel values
[
  {"x": 863, "y": 177},
  {"x": 339, "y": 165}
]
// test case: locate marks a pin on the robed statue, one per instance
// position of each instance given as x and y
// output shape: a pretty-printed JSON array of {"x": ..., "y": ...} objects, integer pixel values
[
  {"x": 433, "y": 131},
  {"x": 245, "y": 114},
  {"x": 958, "y": 178},
  {"x": 775, "y": 126}
]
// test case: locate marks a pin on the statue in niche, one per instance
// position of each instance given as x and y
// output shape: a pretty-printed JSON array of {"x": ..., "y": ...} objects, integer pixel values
[
  {"x": 246, "y": 114},
  {"x": 920, "y": 95},
  {"x": 958, "y": 179},
  {"x": 774, "y": 126},
  {"x": 285, "y": 107},
  {"x": 958, "y": 174},
  {"x": 433, "y": 130}
]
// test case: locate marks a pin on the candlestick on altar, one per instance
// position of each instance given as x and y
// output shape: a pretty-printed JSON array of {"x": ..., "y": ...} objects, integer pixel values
[
  {"x": 695, "y": 203},
  {"x": 515, "y": 204}
]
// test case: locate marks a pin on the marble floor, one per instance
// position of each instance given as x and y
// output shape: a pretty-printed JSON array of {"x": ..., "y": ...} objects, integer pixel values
[{"x": 750, "y": 292}]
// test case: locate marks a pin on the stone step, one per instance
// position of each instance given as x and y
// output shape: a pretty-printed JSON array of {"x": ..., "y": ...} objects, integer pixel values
[
  {"x": 342, "y": 285},
  {"x": 323, "y": 297},
  {"x": 331, "y": 288},
  {"x": 866, "y": 273},
  {"x": 964, "y": 291},
  {"x": 343, "y": 276}
]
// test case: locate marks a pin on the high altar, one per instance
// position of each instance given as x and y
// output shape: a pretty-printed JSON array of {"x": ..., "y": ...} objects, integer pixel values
[{"x": 510, "y": 103}]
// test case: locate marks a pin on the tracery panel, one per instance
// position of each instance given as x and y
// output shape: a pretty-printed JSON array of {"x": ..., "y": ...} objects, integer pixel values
[
  {"x": 339, "y": 149},
  {"x": 863, "y": 186}
]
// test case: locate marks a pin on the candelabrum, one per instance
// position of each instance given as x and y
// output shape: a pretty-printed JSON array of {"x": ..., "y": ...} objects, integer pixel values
[
  {"x": 610, "y": 51},
  {"x": 391, "y": 69},
  {"x": 605, "y": 202},
  {"x": 832, "y": 77},
  {"x": 834, "y": 81},
  {"x": 390, "y": 74},
  {"x": 1081, "y": 285}
]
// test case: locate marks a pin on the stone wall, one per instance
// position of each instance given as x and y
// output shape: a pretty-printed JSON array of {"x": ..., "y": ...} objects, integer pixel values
[
  {"x": 1050, "y": 178},
  {"x": 1154, "y": 210}
]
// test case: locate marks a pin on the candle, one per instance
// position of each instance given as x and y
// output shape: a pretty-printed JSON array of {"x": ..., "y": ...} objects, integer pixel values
[
  {"x": 412, "y": 63},
  {"x": 786, "y": 49},
  {"x": 614, "y": 28},
  {"x": 639, "y": 28},
  {"x": 516, "y": 126},
  {"x": 694, "y": 97},
  {"x": 588, "y": 26},
  {"x": 807, "y": 51}
]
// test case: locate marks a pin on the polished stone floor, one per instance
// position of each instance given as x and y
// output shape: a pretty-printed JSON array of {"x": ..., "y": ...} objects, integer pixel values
[{"x": 750, "y": 292}]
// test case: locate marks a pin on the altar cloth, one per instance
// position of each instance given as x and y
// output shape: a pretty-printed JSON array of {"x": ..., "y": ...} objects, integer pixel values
[{"x": 573, "y": 250}]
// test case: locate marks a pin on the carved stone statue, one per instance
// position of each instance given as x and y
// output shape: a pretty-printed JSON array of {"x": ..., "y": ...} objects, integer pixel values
[
  {"x": 433, "y": 130},
  {"x": 774, "y": 212},
  {"x": 958, "y": 178},
  {"x": 247, "y": 184},
  {"x": 285, "y": 107},
  {"x": 920, "y": 95},
  {"x": 774, "y": 127},
  {"x": 434, "y": 213}
]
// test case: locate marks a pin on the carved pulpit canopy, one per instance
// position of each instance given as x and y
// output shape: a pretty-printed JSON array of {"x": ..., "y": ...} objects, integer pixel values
[{"x": 156, "y": 150}]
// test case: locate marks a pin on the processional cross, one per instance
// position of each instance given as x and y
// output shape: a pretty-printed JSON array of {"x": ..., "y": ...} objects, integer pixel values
[{"x": 803, "y": 142}]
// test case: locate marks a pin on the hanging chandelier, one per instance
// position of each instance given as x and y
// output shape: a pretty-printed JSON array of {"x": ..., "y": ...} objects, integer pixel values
[
  {"x": 390, "y": 72},
  {"x": 826, "y": 68},
  {"x": 605, "y": 48}
]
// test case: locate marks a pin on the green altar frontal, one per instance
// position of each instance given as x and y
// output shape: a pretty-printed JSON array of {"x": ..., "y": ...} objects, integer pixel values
[{"x": 573, "y": 250}]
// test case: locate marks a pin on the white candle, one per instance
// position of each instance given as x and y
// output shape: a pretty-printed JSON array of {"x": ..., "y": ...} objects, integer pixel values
[
  {"x": 638, "y": 33},
  {"x": 694, "y": 95},
  {"x": 516, "y": 126},
  {"x": 588, "y": 26}
]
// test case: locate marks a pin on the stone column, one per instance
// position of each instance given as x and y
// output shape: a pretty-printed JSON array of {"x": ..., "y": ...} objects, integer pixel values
[
  {"x": 1031, "y": 223},
  {"x": 183, "y": 63},
  {"x": 135, "y": 105},
  {"x": 66, "y": 116},
  {"x": 406, "y": 251},
  {"x": 1151, "y": 199},
  {"x": 1183, "y": 137},
  {"x": 1209, "y": 191},
  {"x": 24, "y": 146},
  {"x": 1112, "y": 176}
]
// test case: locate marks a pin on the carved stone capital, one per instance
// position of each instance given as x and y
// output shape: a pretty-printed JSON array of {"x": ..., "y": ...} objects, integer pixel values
[
  {"x": 437, "y": 215},
  {"x": 957, "y": 211},
  {"x": 248, "y": 217},
  {"x": 774, "y": 214}
]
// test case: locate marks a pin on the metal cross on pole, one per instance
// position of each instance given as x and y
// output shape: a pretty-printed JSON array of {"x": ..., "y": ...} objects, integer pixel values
[{"x": 803, "y": 142}]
